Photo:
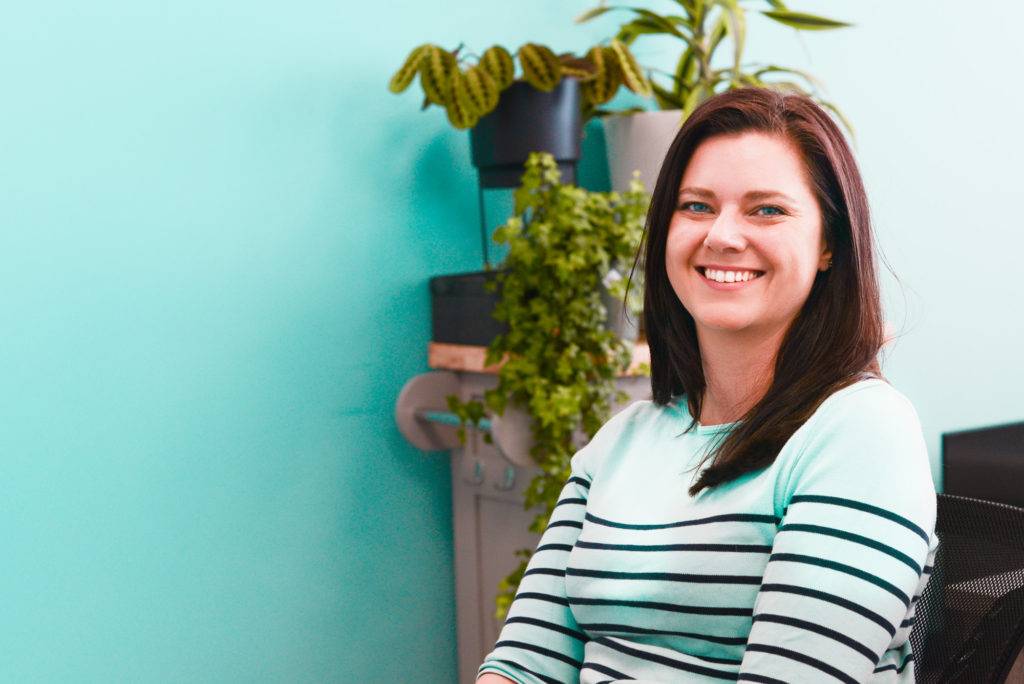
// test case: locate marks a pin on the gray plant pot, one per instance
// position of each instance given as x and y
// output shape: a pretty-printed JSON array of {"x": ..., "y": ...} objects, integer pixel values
[{"x": 639, "y": 142}]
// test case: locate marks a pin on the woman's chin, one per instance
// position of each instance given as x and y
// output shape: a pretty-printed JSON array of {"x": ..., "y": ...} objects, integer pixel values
[{"x": 734, "y": 323}]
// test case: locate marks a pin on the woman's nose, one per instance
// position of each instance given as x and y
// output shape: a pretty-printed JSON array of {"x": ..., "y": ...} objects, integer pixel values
[{"x": 725, "y": 233}]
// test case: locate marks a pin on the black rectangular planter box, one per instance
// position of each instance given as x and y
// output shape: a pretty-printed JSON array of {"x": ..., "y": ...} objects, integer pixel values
[{"x": 461, "y": 309}]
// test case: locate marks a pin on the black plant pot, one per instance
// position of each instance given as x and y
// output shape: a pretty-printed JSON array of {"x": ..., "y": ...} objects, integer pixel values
[
  {"x": 528, "y": 120},
  {"x": 461, "y": 308}
]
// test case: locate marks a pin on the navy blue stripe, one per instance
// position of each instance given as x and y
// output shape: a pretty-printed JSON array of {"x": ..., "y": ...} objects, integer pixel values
[
  {"x": 604, "y": 669},
  {"x": 818, "y": 629},
  {"x": 541, "y": 650},
  {"x": 545, "y": 571},
  {"x": 571, "y": 501},
  {"x": 665, "y": 576},
  {"x": 837, "y": 600},
  {"x": 725, "y": 517},
  {"x": 654, "y": 605},
  {"x": 805, "y": 659},
  {"x": 630, "y": 629},
  {"x": 566, "y": 523},
  {"x": 669, "y": 662},
  {"x": 538, "y": 675},
  {"x": 542, "y": 597},
  {"x": 580, "y": 481},
  {"x": 738, "y": 548},
  {"x": 842, "y": 567},
  {"x": 857, "y": 538},
  {"x": 860, "y": 506},
  {"x": 579, "y": 636},
  {"x": 554, "y": 547},
  {"x": 751, "y": 677}
]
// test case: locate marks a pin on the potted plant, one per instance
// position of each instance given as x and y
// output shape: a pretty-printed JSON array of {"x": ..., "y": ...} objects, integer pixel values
[
  {"x": 509, "y": 117},
  {"x": 639, "y": 141},
  {"x": 566, "y": 245}
]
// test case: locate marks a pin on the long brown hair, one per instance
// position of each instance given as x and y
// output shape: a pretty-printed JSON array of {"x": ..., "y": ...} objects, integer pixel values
[{"x": 834, "y": 340}]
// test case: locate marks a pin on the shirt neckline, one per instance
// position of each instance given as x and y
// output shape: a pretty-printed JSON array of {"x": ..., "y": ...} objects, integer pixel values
[{"x": 699, "y": 428}]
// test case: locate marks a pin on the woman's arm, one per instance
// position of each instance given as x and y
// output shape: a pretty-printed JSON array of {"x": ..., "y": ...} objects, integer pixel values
[
  {"x": 493, "y": 678},
  {"x": 853, "y": 549}
]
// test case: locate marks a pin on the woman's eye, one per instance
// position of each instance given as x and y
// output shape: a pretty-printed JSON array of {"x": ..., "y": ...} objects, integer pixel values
[
  {"x": 694, "y": 206},
  {"x": 776, "y": 211}
]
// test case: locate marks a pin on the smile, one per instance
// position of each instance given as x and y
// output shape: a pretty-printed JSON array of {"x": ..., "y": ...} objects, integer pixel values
[{"x": 727, "y": 280}]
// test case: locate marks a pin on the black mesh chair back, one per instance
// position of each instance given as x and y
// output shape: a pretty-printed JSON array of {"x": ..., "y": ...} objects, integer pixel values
[{"x": 969, "y": 622}]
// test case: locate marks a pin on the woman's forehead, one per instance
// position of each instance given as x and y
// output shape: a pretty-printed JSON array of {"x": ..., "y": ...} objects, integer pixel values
[{"x": 748, "y": 163}]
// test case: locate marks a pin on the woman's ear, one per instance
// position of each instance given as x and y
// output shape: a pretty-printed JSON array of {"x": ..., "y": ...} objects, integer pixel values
[{"x": 825, "y": 261}]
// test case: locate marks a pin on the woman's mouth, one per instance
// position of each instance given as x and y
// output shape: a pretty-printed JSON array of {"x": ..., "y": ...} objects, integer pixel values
[{"x": 727, "y": 280}]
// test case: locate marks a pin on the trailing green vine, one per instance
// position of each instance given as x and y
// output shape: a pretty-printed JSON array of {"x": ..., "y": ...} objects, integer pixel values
[{"x": 565, "y": 243}]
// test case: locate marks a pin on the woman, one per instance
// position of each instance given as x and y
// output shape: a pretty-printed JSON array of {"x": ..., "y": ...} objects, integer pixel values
[{"x": 798, "y": 550}]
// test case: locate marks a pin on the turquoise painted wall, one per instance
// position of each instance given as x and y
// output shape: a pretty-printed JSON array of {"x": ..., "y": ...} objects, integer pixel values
[{"x": 217, "y": 227}]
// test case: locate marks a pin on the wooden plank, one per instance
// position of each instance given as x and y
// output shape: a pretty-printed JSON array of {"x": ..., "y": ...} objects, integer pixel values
[{"x": 465, "y": 357}]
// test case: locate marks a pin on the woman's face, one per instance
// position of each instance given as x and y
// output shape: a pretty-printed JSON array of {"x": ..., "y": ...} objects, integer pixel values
[{"x": 746, "y": 208}]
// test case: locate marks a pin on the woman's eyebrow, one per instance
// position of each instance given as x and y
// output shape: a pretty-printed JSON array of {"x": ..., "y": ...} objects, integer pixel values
[{"x": 752, "y": 195}]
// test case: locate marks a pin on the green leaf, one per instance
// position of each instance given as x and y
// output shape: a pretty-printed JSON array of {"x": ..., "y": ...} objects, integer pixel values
[
  {"x": 666, "y": 98},
  {"x": 541, "y": 67},
  {"x": 807, "y": 76},
  {"x": 592, "y": 13},
  {"x": 498, "y": 63},
  {"x": 737, "y": 23},
  {"x": 685, "y": 75},
  {"x": 804, "y": 21},
  {"x": 632, "y": 74},
  {"x": 407, "y": 72},
  {"x": 696, "y": 96},
  {"x": 660, "y": 21}
]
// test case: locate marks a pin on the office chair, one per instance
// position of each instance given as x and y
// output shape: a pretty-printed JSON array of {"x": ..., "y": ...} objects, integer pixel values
[{"x": 969, "y": 621}]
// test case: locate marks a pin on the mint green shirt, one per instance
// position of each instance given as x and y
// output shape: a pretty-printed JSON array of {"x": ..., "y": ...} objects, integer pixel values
[{"x": 807, "y": 570}]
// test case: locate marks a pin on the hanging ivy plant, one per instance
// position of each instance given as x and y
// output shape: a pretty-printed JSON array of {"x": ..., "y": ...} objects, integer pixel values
[{"x": 565, "y": 242}]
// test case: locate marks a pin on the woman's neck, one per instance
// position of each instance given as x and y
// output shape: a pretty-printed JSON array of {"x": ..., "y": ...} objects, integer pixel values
[{"x": 738, "y": 370}]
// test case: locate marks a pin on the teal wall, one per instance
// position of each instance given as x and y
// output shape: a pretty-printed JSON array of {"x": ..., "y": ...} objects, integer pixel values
[{"x": 217, "y": 227}]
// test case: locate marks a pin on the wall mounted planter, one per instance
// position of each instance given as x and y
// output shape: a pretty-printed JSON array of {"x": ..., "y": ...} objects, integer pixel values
[
  {"x": 462, "y": 310},
  {"x": 528, "y": 120}
]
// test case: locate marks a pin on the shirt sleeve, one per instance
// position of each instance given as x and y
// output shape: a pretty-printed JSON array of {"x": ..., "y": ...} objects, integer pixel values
[
  {"x": 540, "y": 640},
  {"x": 850, "y": 555}
]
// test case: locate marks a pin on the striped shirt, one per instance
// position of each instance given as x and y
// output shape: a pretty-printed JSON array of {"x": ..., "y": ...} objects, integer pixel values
[{"x": 807, "y": 570}]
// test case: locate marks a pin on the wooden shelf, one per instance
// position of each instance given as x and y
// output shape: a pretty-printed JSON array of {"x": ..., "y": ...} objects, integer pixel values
[{"x": 464, "y": 357}]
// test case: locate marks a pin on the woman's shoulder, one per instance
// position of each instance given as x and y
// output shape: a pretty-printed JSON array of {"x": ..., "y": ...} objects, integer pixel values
[
  {"x": 869, "y": 418},
  {"x": 872, "y": 401}
]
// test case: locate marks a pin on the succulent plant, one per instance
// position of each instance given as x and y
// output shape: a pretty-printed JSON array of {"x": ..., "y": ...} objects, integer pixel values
[{"x": 469, "y": 86}]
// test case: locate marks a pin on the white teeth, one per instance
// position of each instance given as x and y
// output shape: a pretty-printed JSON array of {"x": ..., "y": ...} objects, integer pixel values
[{"x": 729, "y": 276}]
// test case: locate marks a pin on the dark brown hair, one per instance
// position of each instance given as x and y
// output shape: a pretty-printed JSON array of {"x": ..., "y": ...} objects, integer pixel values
[{"x": 834, "y": 340}]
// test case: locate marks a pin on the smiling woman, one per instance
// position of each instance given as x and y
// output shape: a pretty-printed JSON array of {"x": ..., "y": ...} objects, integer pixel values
[{"x": 799, "y": 548}]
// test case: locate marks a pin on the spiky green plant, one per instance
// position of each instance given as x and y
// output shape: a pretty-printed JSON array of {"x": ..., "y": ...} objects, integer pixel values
[
  {"x": 702, "y": 27},
  {"x": 469, "y": 86}
]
